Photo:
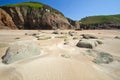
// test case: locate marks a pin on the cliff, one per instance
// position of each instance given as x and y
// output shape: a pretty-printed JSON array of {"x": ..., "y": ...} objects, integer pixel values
[
  {"x": 32, "y": 15},
  {"x": 74, "y": 23},
  {"x": 101, "y": 22}
]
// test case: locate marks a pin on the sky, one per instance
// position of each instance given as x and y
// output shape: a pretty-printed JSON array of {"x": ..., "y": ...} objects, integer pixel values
[{"x": 77, "y": 9}]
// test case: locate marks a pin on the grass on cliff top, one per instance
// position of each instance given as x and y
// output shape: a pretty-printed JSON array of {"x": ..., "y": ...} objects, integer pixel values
[
  {"x": 30, "y": 4},
  {"x": 34, "y": 5},
  {"x": 114, "y": 19}
]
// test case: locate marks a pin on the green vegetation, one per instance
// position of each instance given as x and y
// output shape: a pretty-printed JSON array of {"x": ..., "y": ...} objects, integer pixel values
[
  {"x": 34, "y": 5},
  {"x": 111, "y": 19},
  {"x": 29, "y": 4}
]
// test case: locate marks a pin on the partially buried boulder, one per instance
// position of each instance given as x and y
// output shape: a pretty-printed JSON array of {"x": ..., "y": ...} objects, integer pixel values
[
  {"x": 103, "y": 57},
  {"x": 85, "y": 43},
  {"x": 117, "y": 37},
  {"x": 89, "y": 36},
  {"x": 20, "y": 50},
  {"x": 100, "y": 57}
]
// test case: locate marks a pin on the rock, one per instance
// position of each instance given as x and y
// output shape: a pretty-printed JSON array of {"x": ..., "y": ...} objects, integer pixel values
[
  {"x": 117, "y": 37},
  {"x": 20, "y": 50},
  {"x": 63, "y": 33},
  {"x": 57, "y": 31},
  {"x": 65, "y": 55},
  {"x": 35, "y": 34},
  {"x": 66, "y": 41},
  {"x": 72, "y": 33},
  {"x": 99, "y": 42},
  {"x": 25, "y": 17},
  {"x": 101, "y": 57},
  {"x": 6, "y": 21},
  {"x": 89, "y": 36},
  {"x": 76, "y": 37},
  {"x": 61, "y": 36},
  {"x": 108, "y": 22},
  {"x": 74, "y": 23},
  {"x": 84, "y": 43},
  {"x": 26, "y": 33},
  {"x": 43, "y": 38}
]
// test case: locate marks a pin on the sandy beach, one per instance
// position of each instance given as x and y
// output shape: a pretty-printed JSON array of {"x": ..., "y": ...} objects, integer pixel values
[{"x": 60, "y": 58}]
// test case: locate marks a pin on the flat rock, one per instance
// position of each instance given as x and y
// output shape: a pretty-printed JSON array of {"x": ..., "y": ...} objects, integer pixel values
[{"x": 20, "y": 50}]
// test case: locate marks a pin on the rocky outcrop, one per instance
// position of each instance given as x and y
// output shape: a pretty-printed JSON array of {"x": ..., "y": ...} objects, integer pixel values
[
  {"x": 76, "y": 24},
  {"x": 6, "y": 21},
  {"x": 25, "y": 17}
]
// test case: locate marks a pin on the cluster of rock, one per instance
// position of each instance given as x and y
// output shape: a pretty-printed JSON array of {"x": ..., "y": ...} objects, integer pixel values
[{"x": 89, "y": 41}]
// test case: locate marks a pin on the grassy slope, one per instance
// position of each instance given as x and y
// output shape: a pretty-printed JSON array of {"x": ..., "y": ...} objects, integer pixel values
[
  {"x": 114, "y": 19},
  {"x": 30, "y": 4}
]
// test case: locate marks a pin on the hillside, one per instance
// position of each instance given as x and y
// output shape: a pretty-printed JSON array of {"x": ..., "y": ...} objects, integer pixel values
[
  {"x": 36, "y": 5},
  {"x": 104, "y": 22},
  {"x": 32, "y": 15}
]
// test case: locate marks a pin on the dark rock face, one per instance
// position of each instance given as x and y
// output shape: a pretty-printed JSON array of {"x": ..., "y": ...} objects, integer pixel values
[
  {"x": 100, "y": 26},
  {"x": 33, "y": 18}
]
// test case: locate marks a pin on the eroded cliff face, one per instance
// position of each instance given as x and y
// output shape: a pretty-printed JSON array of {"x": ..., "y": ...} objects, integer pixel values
[
  {"x": 74, "y": 23},
  {"x": 6, "y": 21},
  {"x": 24, "y": 17}
]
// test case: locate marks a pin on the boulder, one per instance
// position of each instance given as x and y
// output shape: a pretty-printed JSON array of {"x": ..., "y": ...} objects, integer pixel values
[
  {"x": 85, "y": 43},
  {"x": 20, "y": 50},
  {"x": 89, "y": 36},
  {"x": 72, "y": 33},
  {"x": 103, "y": 57},
  {"x": 100, "y": 57},
  {"x": 117, "y": 37}
]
